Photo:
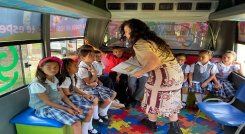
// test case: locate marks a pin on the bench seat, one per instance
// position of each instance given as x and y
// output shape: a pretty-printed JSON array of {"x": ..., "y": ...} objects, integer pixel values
[
  {"x": 223, "y": 113},
  {"x": 28, "y": 123}
]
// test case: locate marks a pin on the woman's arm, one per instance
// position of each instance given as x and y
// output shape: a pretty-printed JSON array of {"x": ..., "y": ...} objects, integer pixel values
[{"x": 152, "y": 62}]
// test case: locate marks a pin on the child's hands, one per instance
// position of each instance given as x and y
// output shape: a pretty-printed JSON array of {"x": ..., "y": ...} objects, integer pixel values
[
  {"x": 93, "y": 84},
  {"x": 71, "y": 111},
  {"x": 93, "y": 70},
  {"x": 204, "y": 84},
  {"x": 236, "y": 62},
  {"x": 217, "y": 86},
  {"x": 190, "y": 85},
  {"x": 118, "y": 78},
  {"x": 88, "y": 97},
  {"x": 77, "y": 110}
]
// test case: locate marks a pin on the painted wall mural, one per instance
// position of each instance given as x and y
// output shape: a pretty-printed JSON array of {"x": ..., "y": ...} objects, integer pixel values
[
  {"x": 6, "y": 80},
  {"x": 185, "y": 35}
]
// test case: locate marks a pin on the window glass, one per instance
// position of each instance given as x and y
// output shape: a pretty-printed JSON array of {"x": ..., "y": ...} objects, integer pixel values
[
  {"x": 241, "y": 31},
  {"x": 186, "y": 35},
  {"x": 65, "y": 48},
  {"x": 31, "y": 55},
  {"x": 17, "y": 25},
  {"x": 10, "y": 69},
  {"x": 241, "y": 55},
  {"x": 64, "y": 27}
]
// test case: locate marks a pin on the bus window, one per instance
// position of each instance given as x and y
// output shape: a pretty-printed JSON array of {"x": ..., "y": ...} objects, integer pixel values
[
  {"x": 18, "y": 65},
  {"x": 31, "y": 55},
  {"x": 18, "y": 61},
  {"x": 241, "y": 55}
]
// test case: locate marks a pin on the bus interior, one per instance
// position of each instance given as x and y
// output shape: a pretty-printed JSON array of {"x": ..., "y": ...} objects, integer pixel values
[{"x": 31, "y": 30}]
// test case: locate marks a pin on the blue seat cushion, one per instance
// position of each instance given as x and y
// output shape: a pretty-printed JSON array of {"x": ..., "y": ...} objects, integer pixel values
[
  {"x": 28, "y": 117},
  {"x": 223, "y": 113}
]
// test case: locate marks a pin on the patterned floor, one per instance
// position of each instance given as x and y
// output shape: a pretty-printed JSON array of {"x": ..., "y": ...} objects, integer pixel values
[{"x": 127, "y": 122}]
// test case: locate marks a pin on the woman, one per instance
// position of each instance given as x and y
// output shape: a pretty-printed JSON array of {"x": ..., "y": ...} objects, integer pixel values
[{"x": 162, "y": 91}]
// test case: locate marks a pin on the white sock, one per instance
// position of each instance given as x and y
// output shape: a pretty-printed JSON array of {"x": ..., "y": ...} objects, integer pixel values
[
  {"x": 152, "y": 120},
  {"x": 103, "y": 111},
  {"x": 184, "y": 97},
  {"x": 96, "y": 112},
  {"x": 91, "y": 124},
  {"x": 85, "y": 127},
  {"x": 198, "y": 97}
]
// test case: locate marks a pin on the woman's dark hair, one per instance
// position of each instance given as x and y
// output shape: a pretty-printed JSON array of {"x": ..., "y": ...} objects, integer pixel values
[
  {"x": 139, "y": 30},
  {"x": 64, "y": 71},
  {"x": 41, "y": 76}
]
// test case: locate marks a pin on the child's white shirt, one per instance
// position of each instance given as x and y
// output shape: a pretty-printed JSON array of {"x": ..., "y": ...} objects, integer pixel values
[
  {"x": 203, "y": 68},
  {"x": 187, "y": 69},
  {"x": 99, "y": 66},
  {"x": 38, "y": 88}
]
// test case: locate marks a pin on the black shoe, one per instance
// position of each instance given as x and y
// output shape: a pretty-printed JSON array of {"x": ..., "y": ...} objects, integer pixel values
[
  {"x": 129, "y": 104},
  {"x": 152, "y": 126},
  {"x": 136, "y": 104},
  {"x": 174, "y": 128},
  {"x": 100, "y": 122},
  {"x": 105, "y": 118},
  {"x": 91, "y": 132}
]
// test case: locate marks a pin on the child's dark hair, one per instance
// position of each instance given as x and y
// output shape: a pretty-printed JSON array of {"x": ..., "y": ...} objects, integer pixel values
[
  {"x": 86, "y": 47},
  {"x": 84, "y": 52},
  {"x": 40, "y": 75},
  {"x": 97, "y": 52},
  {"x": 64, "y": 71},
  {"x": 205, "y": 51},
  {"x": 180, "y": 55}
]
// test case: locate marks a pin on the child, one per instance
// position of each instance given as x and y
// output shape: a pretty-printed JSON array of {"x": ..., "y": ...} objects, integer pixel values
[
  {"x": 136, "y": 87},
  {"x": 111, "y": 60},
  {"x": 119, "y": 80},
  {"x": 181, "y": 58},
  {"x": 224, "y": 88},
  {"x": 45, "y": 97},
  {"x": 88, "y": 81},
  {"x": 201, "y": 74},
  {"x": 99, "y": 66},
  {"x": 78, "y": 97}
]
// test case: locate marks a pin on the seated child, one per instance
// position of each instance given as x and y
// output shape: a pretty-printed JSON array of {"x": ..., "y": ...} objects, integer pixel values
[
  {"x": 201, "y": 74},
  {"x": 136, "y": 88},
  {"x": 99, "y": 66},
  {"x": 223, "y": 87},
  {"x": 181, "y": 58},
  {"x": 45, "y": 97},
  {"x": 77, "y": 96},
  {"x": 88, "y": 81}
]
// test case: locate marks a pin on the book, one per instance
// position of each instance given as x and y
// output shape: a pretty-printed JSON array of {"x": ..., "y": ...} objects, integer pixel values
[{"x": 128, "y": 67}]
